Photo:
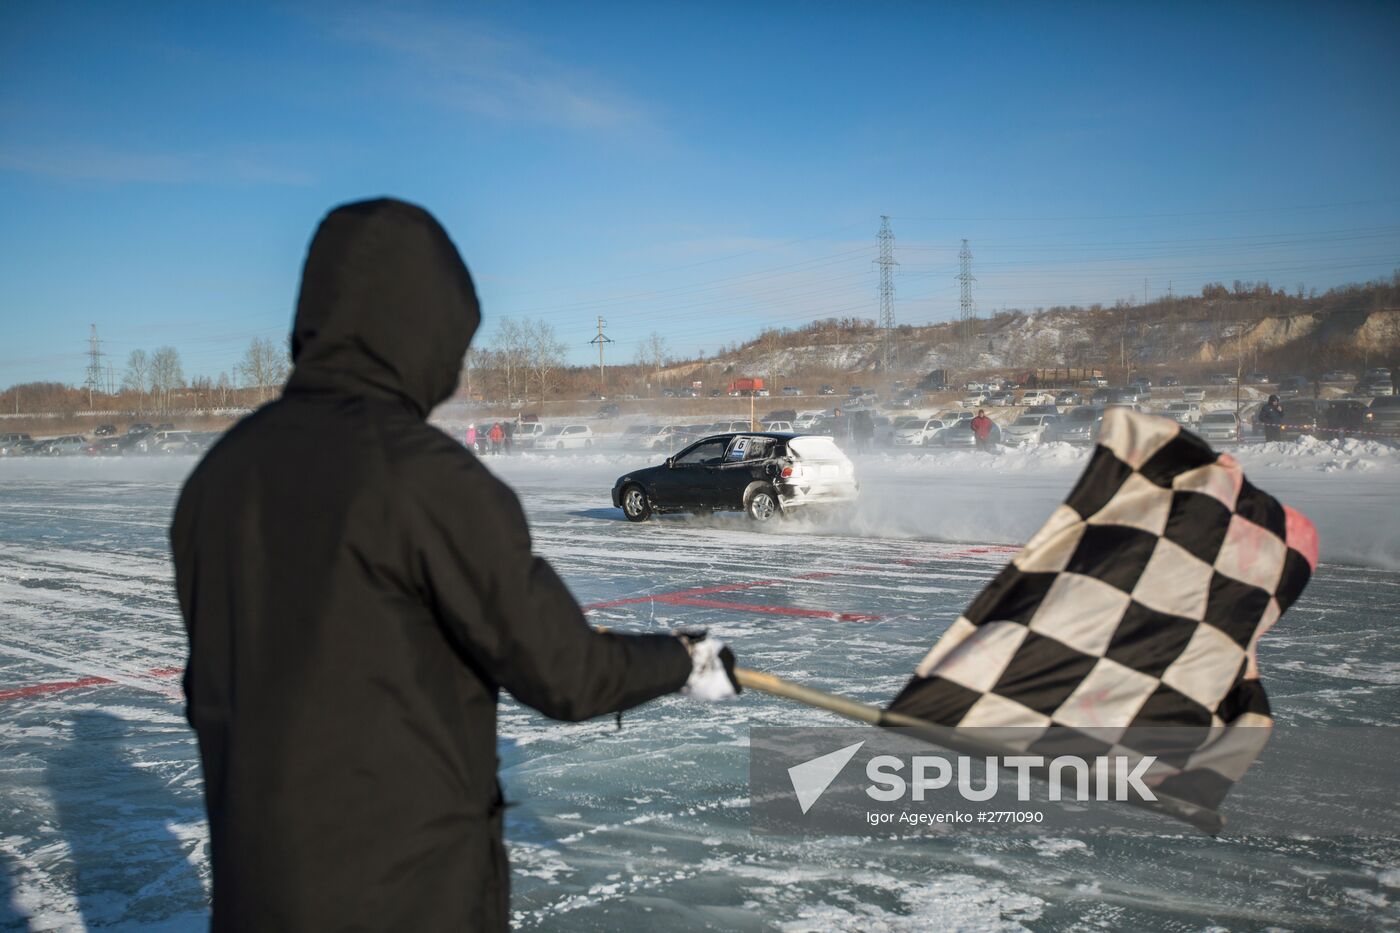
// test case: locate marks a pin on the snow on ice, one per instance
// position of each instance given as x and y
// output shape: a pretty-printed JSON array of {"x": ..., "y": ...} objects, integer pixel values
[{"x": 101, "y": 820}]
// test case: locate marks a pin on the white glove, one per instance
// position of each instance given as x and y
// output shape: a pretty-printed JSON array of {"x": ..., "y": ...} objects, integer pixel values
[{"x": 712, "y": 669}]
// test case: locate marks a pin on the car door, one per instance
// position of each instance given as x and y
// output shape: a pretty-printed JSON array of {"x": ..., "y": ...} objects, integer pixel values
[
  {"x": 688, "y": 482},
  {"x": 743, "y": 463}
]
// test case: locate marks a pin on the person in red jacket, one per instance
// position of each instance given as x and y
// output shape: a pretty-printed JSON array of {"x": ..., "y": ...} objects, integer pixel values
[
  {"x": 982, "y": 427},
  {"x": 497, "y": 435}
]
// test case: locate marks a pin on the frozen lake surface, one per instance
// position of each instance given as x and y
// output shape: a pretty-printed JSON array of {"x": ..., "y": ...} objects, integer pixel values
[{"x": 101, "y": 820}]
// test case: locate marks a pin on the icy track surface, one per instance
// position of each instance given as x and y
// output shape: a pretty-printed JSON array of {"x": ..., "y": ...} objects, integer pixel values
[{"x": 101, "y": 821}]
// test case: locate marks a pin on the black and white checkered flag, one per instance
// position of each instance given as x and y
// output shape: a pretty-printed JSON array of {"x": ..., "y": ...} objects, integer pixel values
[{"x": 1138, "y": 605}]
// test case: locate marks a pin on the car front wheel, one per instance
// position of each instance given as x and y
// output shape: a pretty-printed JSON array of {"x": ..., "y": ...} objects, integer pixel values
[
  {"x": 763, "y": 505},
  {"x": 635, "y": 505}
]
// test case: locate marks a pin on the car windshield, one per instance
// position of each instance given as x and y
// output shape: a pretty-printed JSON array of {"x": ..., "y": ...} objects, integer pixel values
[
  {"x": 1082, "y": 414},
  {"x": 1178, "y": 406},
  {"x": 1026, "y": 421},
  {"x": 555, "y": 430},
  {"x": 1219, "y": 417}
]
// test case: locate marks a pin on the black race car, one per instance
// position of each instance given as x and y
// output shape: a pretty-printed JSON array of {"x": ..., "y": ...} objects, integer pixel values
[{"x": 761, "y": 473}]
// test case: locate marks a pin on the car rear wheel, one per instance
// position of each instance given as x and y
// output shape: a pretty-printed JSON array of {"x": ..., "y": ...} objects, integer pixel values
[
  {"x": 559, "y": 446},
  {"x": 763, "y": 505},
  {"x": 635, "y": 505}
]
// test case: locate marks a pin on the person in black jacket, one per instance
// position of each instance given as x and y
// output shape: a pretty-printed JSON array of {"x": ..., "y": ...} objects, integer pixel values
[
  {"x": 357, "y": 589},
  {"x": 1270, "y": 418}
]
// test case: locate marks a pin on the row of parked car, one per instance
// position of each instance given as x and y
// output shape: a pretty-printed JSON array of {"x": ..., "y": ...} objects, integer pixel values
[{"x": 140, "y": 438}]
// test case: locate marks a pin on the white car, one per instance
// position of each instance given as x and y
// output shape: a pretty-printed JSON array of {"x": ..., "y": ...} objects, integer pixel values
[
  {"x": 1183, "y": 412},
  {"x": 972, "y": 401},
  {"x": 731, "y": 427},
  {"x": 953, "y": 414},
  {"x": 1194, "y": 395},
  {"x": 1027, "y": 429},
  {"x": 65, "y": 446},
  {"x": 565, "y": 437},
  {"x": 526, "y": 434},
  {"x": 783, "y": 427},
  {"x": 635, "y": 435},
  {"x": 1219, "y": 426},
  {"x": 664, "y": 437},
  {"x": 1037, "y": 398},
  {"x": 920, "y": 432},
  {"x": 806, "y": 419}
]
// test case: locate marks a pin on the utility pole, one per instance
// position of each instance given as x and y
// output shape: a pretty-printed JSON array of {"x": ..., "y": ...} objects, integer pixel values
[
  {"x": 93, "y": 383},
  {"x": 966, "y": 315},
  {"x": 886, "y": 263},
  {"x": 601, "y": 340},
  {"x": 1123, "y": 343}
]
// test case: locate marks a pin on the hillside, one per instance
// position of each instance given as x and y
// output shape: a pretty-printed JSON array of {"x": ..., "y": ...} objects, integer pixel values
[{"x": 1251, "y": 326}]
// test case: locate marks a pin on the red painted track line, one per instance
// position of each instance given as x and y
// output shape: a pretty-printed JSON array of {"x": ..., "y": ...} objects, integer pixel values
[
  {"x": 687, "y": 597},
  {"x": 62, "y": 685},
  {"x": 771, "y": 610},
  {"x": 702, "y": 591}
]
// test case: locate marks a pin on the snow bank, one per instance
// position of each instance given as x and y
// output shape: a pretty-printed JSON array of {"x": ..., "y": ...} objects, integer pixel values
[{"x": 1331, "y": 455}]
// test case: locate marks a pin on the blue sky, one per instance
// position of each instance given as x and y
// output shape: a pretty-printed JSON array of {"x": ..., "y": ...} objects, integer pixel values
[{"x": 698, "y": 169}]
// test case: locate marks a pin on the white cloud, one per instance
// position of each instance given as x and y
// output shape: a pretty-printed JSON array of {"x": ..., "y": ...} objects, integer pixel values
[{"x": 469, "y": 67}]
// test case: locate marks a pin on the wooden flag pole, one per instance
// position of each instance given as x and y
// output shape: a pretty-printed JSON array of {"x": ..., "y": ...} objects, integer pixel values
[
  {"x": 767, "y": 683},
  {"x": 1200, "y": 817}
]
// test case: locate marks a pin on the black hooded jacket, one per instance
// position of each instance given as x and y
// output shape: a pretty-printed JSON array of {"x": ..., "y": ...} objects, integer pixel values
[{"x": 357, "y": 588}]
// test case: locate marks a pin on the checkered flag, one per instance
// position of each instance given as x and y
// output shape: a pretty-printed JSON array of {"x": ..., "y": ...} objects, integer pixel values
[{"x": 1138, "y": 605}]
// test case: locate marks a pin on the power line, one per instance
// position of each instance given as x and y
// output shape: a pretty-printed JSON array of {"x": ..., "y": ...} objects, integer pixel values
[{"x": 886, "y": 263}]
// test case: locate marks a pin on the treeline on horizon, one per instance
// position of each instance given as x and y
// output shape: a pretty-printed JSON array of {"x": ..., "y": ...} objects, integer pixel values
[{"x": 524, "y": 359}]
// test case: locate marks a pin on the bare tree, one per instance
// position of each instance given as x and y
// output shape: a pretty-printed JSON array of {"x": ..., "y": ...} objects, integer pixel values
[
  {"x": 511, "y": 350},
  {"x": 545, "y": 353},
  {"x": 651, "y": 354},
  {"x": 263, "y": 367},
  {"x": 166, "y": 375},
  {"x": 138, "y": 368},
  {"x": 222, "y": 387},
  {"x": 203, "y": 388}
]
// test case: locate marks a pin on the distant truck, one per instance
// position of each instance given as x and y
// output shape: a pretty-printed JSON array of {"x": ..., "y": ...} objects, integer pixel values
[
  {"x": 935, "y": 381},
  {"x": 746, "y": 386}
]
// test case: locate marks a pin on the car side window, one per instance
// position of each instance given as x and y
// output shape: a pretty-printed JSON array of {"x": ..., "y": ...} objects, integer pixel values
[
  {"x": 708, "y": 452},
  {"x": 738, "y": 449},
  {"x": 759, "y": 448}
]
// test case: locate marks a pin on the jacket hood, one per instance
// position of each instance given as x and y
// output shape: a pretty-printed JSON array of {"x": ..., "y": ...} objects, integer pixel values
[{"x": 387, "y": 307}]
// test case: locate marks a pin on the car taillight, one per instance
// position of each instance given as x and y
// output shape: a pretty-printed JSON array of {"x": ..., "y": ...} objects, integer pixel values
[{"x": 791, "y": 471}]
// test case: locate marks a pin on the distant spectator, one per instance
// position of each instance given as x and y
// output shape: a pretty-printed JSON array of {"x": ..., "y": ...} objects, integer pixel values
[
  {"x": 509, "y": 427},
  {"x": 471, "y": 438},
  {"x": 840, "y": 425},
  {"x": 982, "y": 427},
  {"x": 497, "y": 436},
  {"x": 862, "y": 429},
  {"x": 1270, "y": 418}
]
